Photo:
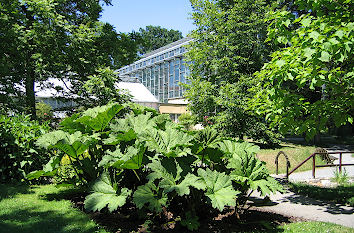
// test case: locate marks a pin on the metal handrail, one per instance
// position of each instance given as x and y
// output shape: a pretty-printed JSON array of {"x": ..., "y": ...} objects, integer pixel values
[
  {"x": 313, "y": 156},
  {"x": 287, "y": 162}
]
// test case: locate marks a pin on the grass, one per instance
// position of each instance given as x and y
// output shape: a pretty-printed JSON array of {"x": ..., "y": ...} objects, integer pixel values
[
  {"x": 295, "y": 153},
  {"x": 315, "y": 227},
  {"x": 339, "y": 195},
  {"x": 26, "y": 209}
]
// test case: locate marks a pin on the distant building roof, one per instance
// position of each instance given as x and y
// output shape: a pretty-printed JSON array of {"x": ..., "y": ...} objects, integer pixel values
[
  {"x": 139, "y": 92},
  {"x": 166, "y": 47},
  {"x": 53, "y": 87}
]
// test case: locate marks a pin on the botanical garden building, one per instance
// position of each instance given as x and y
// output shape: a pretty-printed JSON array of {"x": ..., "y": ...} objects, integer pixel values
[{"x": 161, "y": 71}]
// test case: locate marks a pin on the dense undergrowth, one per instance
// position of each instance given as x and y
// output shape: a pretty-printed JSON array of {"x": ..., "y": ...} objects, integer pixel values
[
  {"x": 131, "y": 155},
  {"x": 19, "y": 155}
]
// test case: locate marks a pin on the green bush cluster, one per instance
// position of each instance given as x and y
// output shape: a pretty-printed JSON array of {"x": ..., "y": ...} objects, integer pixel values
[
  {"x": 44, "y": 112},
  {"x": 187, "y": 120},
  {"x": 133, "y": 155},
  {"x": 18, "y": 153}
]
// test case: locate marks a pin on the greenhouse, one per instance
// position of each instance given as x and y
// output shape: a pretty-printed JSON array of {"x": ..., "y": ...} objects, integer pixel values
[{"x": 161, "y": 71}]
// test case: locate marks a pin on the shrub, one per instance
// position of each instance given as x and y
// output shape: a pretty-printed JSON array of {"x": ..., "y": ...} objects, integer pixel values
[
  {"x": 44, "y": 112},
  {"x": 19, "y": 155},
  {"x": 128, "y": 155},
  {"x": 187, "y": 120},
  {"x": 341, "y": 178}
]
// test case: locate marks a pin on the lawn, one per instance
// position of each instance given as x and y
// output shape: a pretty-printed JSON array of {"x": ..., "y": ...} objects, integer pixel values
[
  {"x": 27, "y": 209},
  {"x": 314, "y": 227},
  {"x": 296, "y": 154}
]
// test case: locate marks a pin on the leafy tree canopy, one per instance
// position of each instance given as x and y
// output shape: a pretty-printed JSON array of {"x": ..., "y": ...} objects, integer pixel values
[
  {"x": 57, "y": 39},
  {"x": 228, "y": 48},
  {"x": 154, "y": 37},
  {"x": 308, "y": 84}
]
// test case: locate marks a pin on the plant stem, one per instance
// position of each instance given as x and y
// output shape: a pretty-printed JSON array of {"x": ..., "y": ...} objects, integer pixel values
[{"x": 136, "y": 174}]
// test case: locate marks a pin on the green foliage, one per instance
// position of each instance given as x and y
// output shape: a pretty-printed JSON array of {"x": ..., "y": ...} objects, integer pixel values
[
  {"x": 105, "y": 194},
  {"x": 341, "y": 178},
  {"x": 128, "y": 154},
  {"x": 44, "y": 112},
  {"x": 82, "y": 133},
  {"x": 308, "y": 83},
  {"x": 228, "y": 47},
  {"x": 171, "y": 142},
  {"x": 219, "y": 188},
  {"x": 19, "y": 155},
  {"x": 151, "y": 195},
  {"x": 155, "y": 37},
  {"x": 187, "y": 120},
  {"x": 250, "y": 172},
  {"x": 63, "y": 40},
  {"x": 191, "y": 221},
  {"x": 100, "y": 88}
]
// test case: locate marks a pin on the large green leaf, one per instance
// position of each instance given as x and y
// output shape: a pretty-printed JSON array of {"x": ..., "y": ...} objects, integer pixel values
[
  {"x": 116, "y": 138},
  {"x": 104, "y": 195},
  {"x": 171, "y": 142},
  {"x": 206, "y": 146},
  {"x": 72, "y": 144},
  {"x": 139, "y": 124},
  {"x": 149, "y": 194},
  {"x": 50, "y": 139},
  {"x": 249, "y": 171},
  {"x": 70, "y": 125},
  {"x": 266, "y": 186},
  {"x": 230, "y": 147},
  {"x": 131, "y": 159},
  {"x": 98, "y": 118},
  {"x": 219, "y": 188},
  {"x": 168, "y": 171},
  {"x": 49, "y": 169},
  {"x": 207, "y": 137}
]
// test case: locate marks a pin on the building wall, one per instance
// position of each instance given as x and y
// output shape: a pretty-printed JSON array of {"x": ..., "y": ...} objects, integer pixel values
[{"x": 176, "y": 109}]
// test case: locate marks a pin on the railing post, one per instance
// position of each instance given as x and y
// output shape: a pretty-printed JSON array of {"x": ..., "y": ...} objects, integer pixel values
[
  {"x": 313, "y": 165},
  {"x": 287, "y": 170},
  {"x": 340, "y": 162}
]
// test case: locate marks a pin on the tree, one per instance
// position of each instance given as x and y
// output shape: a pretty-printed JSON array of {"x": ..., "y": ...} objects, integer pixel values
[
  {"x": 58, "y": 39},
  {"x": 308, "y": 84},
  {"x": 228, "y": 48},
  {"x": 155, "y": 37}
]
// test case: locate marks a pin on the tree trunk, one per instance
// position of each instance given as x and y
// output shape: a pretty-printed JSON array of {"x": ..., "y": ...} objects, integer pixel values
[
  {"x": 30, "y": 70},
  {"x": 30, "y": 93}
]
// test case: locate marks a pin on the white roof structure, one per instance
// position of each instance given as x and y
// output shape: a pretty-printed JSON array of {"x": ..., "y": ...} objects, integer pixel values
[
  {"x": 139, "y": 92},
  {"x": 50, "y": 90}
]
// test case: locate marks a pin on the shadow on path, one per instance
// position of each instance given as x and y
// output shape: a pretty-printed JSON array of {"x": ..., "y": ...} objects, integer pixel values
[{"x": 329, "y": 207}]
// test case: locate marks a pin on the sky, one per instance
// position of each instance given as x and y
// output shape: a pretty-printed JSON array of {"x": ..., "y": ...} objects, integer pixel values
[{"x": 129, "y": 15}]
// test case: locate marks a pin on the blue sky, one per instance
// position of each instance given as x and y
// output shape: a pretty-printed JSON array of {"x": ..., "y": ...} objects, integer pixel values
[{"x": 129, "y": 15}]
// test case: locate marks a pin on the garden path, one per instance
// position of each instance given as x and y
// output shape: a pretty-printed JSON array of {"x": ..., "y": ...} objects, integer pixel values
[
  {"x": 296, "y": 205},
  {"x": 327, "y": 172},
  {"x": 299, "y": 206}
]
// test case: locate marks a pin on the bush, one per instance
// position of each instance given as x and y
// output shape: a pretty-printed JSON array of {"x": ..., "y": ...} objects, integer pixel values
[
  {"x": 187, "y": 120},
  {"x": 19, "y": 155},
  {"x": 128, "y": 155},
  {"x": 44, "y": 112}
]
